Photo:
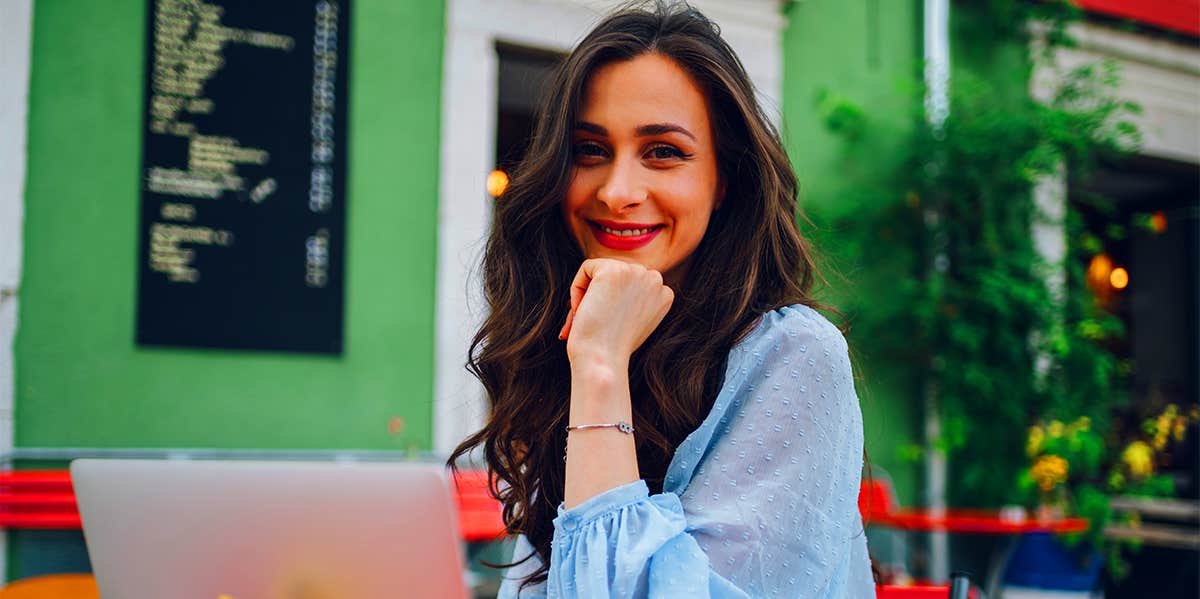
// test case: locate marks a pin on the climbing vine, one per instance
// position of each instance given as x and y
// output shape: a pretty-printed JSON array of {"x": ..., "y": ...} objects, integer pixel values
[{"x": 942, "y": 252}]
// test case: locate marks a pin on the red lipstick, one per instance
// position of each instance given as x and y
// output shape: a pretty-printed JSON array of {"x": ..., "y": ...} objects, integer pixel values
[{"x": 614, "y": 235}]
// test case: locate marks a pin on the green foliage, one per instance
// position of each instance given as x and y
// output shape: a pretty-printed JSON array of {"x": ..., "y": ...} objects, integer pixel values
[
  {"x": 999, "y": 21},
  {"x": 947, "y": 277},
  {"x": 841, "y": 116}
]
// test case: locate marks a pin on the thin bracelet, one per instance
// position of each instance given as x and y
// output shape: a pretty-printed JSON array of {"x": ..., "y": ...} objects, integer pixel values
[{"x": 622, "y": 426}]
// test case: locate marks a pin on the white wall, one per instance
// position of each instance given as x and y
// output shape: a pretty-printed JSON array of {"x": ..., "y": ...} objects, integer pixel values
[
  {"x": 16, "y": 21},
  {"x": 1162, "y": 76},
  {"x": 753, "y": 27}
]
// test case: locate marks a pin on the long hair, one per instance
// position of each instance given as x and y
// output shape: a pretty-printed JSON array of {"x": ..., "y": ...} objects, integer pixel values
[{"x": 751, "y": 259}]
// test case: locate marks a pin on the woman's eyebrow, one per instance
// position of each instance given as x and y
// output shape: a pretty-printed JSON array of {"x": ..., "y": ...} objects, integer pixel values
[
  {"x": 592, "y": 128},
  {"x": 642, "y": 131},
  {"x": 661, "y": 129}
]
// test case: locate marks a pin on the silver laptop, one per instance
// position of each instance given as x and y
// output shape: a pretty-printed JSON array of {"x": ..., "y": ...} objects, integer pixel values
[{"x": 181, "y": 529}]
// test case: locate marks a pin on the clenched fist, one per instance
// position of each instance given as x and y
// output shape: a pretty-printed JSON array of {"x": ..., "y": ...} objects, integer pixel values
[{"x": 615, "y": 306}]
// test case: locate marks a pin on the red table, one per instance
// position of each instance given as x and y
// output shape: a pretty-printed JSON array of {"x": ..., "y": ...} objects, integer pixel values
[
  {"x": 965, "y": 521},
  {"x": 973, "y": 521}
]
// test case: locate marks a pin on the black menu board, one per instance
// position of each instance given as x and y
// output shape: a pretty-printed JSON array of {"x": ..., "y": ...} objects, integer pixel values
[{"x": 243, "y": 175}]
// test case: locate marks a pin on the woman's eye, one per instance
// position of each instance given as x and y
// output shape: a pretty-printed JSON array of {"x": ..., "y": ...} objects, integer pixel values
[
  {"x": 665, "y": 152},
  {"x": 588, "y": 149}
]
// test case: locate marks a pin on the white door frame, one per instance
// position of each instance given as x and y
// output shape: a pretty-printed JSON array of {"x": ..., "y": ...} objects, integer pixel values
[
  {"x": 16, "y": 29},
  {"x": 468, "y": 131}
]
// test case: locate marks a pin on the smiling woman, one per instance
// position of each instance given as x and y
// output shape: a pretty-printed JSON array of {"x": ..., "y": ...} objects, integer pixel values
[
  {"x": 645, "y": 178},
  {"x": 707, "y": 412}
]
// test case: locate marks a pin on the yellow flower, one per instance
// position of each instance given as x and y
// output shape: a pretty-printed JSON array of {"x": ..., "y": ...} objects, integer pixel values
[
  {"x": 1140, "y": 459},
  {"x": 1055, "y": 429},
  {"x": 1036, "y": 436},
  {"x": 1048, "y": 471},
  {"x": 1180, "y": 428},
  {"x": 1160, "y": 439},
  {"x": 1079, "y": 425},
  {"x": 1162, "y": 426}
]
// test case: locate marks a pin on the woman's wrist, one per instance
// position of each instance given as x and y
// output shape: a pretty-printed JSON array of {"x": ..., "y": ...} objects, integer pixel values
[
  {"x": 598, "y": 459},
  {"x": 599, "y": 392},
  {"x": 599, "y": 367}
]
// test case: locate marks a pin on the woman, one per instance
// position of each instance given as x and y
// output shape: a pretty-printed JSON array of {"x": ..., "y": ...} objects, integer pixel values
[{"x": 712, "y": 435}]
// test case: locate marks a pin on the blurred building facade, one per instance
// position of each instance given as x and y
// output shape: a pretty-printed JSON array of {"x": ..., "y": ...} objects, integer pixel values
[{"x": 440, "y": 96}]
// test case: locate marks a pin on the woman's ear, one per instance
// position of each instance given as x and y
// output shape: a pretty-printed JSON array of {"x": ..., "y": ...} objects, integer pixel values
[{"x": 720, "y": 196}]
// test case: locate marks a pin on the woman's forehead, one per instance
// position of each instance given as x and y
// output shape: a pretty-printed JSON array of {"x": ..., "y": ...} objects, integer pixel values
[{"x": 624, "y": 96}]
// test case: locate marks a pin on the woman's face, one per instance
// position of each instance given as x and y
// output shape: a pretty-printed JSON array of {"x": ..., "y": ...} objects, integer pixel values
[{"x": 645, "y": 178}]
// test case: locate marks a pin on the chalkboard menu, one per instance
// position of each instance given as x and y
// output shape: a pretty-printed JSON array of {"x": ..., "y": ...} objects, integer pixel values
[{"x": 243, "y": 175}]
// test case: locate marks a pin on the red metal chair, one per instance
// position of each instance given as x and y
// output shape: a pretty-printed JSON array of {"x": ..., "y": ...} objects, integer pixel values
[
  {"x": 46, "y": 499},
  {"x": 913, "y": 592},
  {"x": 927, "y": 591},
  {"x": 876, "y": 497},
  {"x": 918, "y": 592},
  {"x": 37, "y": 499},
  {"x": 479, "y": 514}
]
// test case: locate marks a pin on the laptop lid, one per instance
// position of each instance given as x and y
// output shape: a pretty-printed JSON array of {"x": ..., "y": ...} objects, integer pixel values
[{"x": 268, "y": 530}]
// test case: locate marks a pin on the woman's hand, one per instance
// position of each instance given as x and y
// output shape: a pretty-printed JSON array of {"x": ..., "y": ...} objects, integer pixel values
[{"x": 615, "y": 306}]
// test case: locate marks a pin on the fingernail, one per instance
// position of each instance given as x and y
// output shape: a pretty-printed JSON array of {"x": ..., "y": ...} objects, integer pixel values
[{"x": 562, "y": 335}]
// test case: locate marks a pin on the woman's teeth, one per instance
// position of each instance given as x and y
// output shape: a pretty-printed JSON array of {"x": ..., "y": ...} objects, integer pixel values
[{"x": 625, "y": 232}]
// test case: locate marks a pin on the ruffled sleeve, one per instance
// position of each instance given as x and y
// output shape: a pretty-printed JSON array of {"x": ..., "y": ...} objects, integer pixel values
[
  {"x": 626, "y": 543},
  {"x": 759, "y": 501}
]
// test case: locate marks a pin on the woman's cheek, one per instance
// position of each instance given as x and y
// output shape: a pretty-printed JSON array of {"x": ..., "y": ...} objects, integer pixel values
[{"x": 575, "y": 225}]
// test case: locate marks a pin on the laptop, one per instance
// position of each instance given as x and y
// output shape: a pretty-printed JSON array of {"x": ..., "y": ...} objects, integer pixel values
[{"x": 185, "y": 529}]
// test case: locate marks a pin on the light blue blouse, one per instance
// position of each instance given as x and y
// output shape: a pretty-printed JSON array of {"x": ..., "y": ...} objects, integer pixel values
[{"x": 759, "y": 501}]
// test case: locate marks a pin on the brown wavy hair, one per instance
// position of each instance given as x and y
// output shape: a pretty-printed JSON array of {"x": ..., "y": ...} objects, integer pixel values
[{"x": 751, "y": 259}]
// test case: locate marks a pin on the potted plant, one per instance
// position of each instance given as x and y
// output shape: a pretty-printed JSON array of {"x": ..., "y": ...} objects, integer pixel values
[{"x": 1074, "y": 470}]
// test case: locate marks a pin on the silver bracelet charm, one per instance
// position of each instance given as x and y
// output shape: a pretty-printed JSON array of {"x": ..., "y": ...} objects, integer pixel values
[{"x": 622, "y": 426}]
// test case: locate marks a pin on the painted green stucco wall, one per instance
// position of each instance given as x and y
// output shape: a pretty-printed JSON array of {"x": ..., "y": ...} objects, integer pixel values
[
  {"x": 869, "y": 52},
  {"x": 80, "y": 379}
]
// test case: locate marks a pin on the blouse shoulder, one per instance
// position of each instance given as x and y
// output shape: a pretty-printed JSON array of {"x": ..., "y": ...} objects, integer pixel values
[
  {"x": 794, "y": 328},
  {"x": 792, "y": 352}
]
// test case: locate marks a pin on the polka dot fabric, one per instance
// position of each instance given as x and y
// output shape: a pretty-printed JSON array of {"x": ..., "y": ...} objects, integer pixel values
[{"x": 759, "y": 501}]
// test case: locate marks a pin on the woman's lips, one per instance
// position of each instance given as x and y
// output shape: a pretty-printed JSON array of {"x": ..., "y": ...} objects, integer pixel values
[{"x": 623, "y": 242}]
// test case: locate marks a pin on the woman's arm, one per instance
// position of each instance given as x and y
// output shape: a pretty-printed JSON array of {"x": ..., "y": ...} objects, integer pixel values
[
  {"x": 599, "y": 459},
  {"x": 614, "y": 308}
]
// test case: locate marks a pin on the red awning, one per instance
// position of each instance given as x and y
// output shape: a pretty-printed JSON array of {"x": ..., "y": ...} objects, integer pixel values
[{"x": 1175, "y": 15}]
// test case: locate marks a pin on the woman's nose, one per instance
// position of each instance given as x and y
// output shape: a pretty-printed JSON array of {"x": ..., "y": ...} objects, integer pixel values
[{"x": 622, "y": 188}]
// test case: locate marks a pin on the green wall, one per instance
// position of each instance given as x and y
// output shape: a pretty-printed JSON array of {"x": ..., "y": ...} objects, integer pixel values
[
  {"x": 80, "y": 379},
  {"x": 868, "y": 52}
]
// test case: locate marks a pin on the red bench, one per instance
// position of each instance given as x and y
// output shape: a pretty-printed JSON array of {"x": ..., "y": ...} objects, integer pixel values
[
  {"x": 37, "y": 499},
  {"x": 45, "y": 499}
]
